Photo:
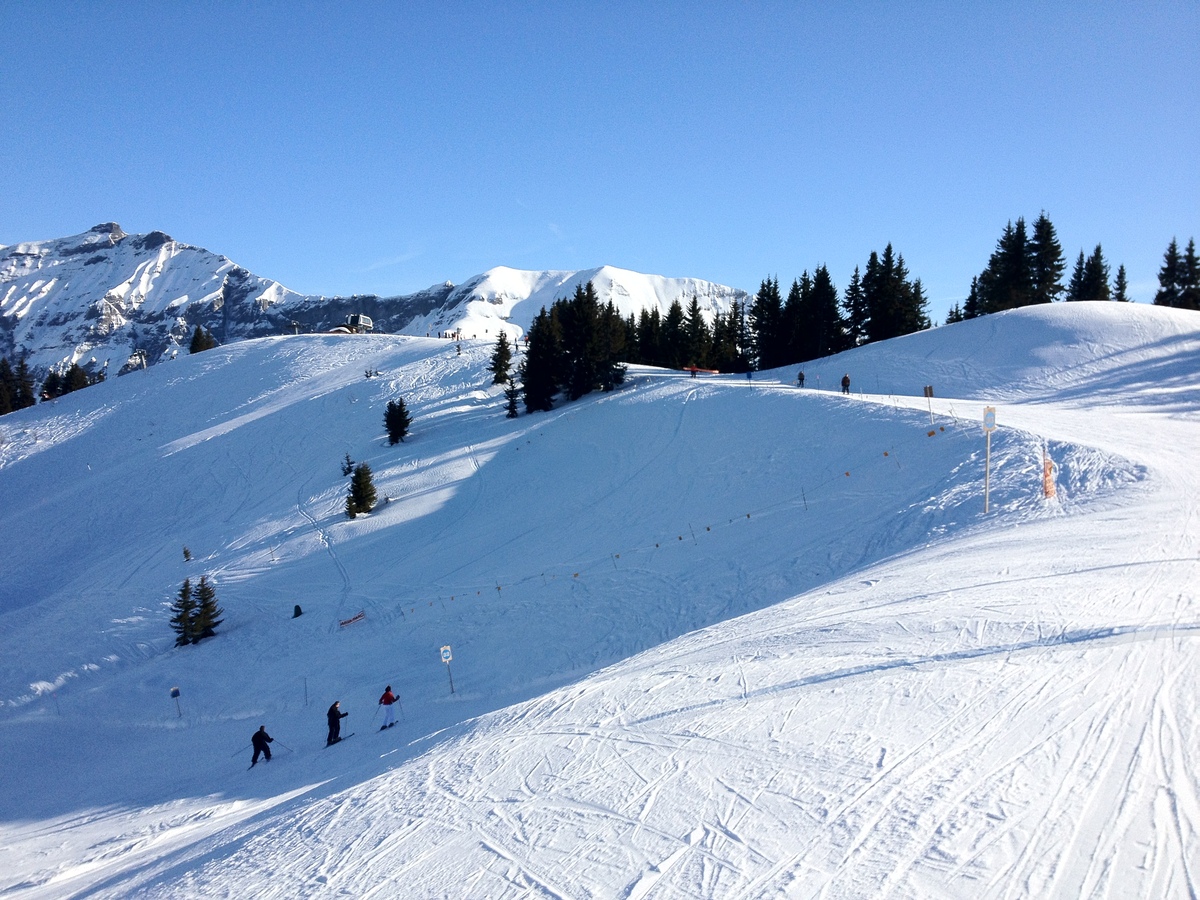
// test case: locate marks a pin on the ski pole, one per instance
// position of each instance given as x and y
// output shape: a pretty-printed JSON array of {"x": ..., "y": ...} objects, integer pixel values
[
  {"x": 401, "y": 705},
  {"x": 377, "y": 706},
  {"x": 240, "y": 750},
  {"x": 284, "y": 746}
]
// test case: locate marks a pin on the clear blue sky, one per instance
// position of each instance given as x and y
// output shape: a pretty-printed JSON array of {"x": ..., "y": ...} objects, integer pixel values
[{"x": 384, "y": 147}]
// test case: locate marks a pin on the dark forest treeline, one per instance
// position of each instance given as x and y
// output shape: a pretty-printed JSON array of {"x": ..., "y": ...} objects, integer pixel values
[
  {"x": 17, "y": 390},
  {"x": 579, "y": 345},
  {"x": 1028, "y": 268}
]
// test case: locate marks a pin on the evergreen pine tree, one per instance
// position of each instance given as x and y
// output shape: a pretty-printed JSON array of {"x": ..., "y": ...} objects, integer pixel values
[
  {"x": 611, "y": 338},
  {"x": 723, "y": 351},
  {"x": 183, "y": 612},
  {"x": 580, "y": 321},
  {"x": 854, "y": 306},
  {"x": 1007, "y": 282},
  {"x": 511, "y": 394},
  {"x": 1170, "y": 277},
  {"x": 766, "y": 314},
  {"x": 361, "y": 496},
  {"x": 8, "y": 386},
  {"x": 208, "y": 614},
  {"x": 75, "y": 379},
  {"x": 1077, "y": 286},
  {"x": 396, "y": 420},
  {"x": 649, "y": 337},
  {"x": 1120, "y": 290},
  {"x": 52, "y": 387},
  {"x": 674, "y": 338},
  {"x": 745, "y": 336},
  {"x": 826, "y": 325},
  {"x": 347, "y": 465},
  {"x": 202, "y": 340},
  {"x": 539, "y": 381},
  {"x": 1093, "y": 284},
  {"x": 1046, "y": 262},
  {"x": 796, "y": 338},
  {"x": 633, "y": 349},
  {"x": 954, "y": 314},
  {"x": 501, "y": 359},
  {"x": 1189, "y": 294},
  {"x": 896, "y": 305},
  {"x": 971, "y": 307},
  {"x": 699, "y": 337},
  {"x": 26, "y": 396}
]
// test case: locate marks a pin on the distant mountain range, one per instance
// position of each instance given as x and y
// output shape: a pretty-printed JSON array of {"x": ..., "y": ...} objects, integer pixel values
[{"x": 109, "y": 300}]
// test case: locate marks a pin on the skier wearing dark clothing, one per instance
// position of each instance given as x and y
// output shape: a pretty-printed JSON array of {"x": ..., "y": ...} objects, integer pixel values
[
  {"x": 335, "y": 717},
  {"x": 260, "y": 741},
  {"x": 845, "y": 384},
  {"x": 800, "y": 379}
]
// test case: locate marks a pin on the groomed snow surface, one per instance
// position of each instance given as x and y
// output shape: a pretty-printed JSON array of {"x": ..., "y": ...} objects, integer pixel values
[{"x": 711, "y": 637}]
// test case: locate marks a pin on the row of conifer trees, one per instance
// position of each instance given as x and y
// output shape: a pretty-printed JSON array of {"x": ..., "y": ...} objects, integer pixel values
[
  {"x": 579, "y": 345},
  {"x": 17, "y": 390},
  {"x": 1027, "y": 267}
]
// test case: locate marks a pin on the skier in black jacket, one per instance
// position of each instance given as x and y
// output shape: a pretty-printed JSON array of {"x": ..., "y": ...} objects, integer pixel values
[
  {"x": 335, "y": 717},
  {"x": 260, "y": 741}
]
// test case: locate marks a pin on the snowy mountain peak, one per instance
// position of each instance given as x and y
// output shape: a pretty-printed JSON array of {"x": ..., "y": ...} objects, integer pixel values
[
  {"x": 110, "y": 300},
  {"x": 511, "y": 298}
]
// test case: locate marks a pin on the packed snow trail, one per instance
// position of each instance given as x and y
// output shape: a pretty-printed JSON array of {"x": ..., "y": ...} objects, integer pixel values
[{"x": 914, "y": 700}]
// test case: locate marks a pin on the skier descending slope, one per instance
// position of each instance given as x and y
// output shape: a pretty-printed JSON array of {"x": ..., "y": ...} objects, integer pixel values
[
  {"x": 335, "y": 716},
  {"x": 387, "y": 701},
  {"x": 260, "y": 741}
]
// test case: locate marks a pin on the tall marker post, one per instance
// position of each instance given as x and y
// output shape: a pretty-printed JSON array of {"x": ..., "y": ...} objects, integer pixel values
[
  {"x": 175, "y": 697},
  {"x": 446, "y": 657},
  {"x": 989, "y": 425}
]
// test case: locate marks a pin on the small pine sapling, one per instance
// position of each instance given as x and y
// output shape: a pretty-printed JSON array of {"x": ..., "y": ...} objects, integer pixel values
[
  {"x": 347, "y": 465},
  {"x": 511, "y": 394}
]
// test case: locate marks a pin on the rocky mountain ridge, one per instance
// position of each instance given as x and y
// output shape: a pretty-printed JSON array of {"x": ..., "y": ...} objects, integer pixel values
[{"x": 112, "y": 301}]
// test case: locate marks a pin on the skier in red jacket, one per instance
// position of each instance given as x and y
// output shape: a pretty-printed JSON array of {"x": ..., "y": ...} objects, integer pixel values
[{"x": 387, "y": 701}]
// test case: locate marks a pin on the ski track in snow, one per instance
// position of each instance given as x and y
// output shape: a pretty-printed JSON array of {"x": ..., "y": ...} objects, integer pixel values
[{"x": 888, "y": 694}]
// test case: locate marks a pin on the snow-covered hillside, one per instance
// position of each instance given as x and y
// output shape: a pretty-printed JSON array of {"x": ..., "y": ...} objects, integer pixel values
[
  {"x": 516, "y": 296},
  {"x": 711, "y": 637},
  {"x": 113, "y": 302}
]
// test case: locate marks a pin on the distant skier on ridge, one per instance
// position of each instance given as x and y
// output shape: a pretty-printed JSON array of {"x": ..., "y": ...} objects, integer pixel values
[
  {"x": 387, "y": 701},
  {"x": 846, "y": 384},
  {"x": 335, "y": 716}
]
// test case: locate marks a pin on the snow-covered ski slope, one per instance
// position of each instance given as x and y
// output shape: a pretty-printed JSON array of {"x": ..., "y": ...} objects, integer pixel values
[{"x": 711, "y": 637}]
